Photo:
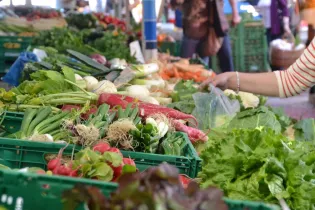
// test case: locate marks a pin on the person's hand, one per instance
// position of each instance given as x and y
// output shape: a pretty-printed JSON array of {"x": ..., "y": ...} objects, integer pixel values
[
  {"x": 286, "y": 26},
  {"x": 236, "y": 19},
  {"x": 220, "y": 81}
]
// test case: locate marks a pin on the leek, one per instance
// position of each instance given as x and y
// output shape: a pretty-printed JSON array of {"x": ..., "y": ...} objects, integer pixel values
[
  {"x": 145, "y": 69},
  {"x": 149, "y": 83}
]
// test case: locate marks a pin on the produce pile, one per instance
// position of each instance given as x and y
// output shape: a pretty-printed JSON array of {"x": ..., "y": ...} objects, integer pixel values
[
  {"x": 111, "y": 44},
  {"x": 90, "y": 94}
]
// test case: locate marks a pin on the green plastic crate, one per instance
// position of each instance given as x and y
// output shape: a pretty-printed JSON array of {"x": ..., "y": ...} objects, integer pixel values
[
  {"x": 38, "y": 192},
  {"x": 249, "y": 205},
  {"x": 188, "y": 164},
  {"x": 173, "y": 48},
  {"x": 12, "y": 46}
]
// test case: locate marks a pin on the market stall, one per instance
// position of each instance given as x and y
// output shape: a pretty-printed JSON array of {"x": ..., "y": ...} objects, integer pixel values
[{"x": 87, "y": 123}]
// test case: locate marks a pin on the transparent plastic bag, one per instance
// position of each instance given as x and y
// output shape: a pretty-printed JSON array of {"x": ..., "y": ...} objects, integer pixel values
[{"x": 214, "y": 109}]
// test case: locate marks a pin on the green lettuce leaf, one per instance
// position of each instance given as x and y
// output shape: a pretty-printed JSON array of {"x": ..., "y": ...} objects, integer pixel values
[
  {"x": 305, "y": 130},
  {"x": 255, "y": 118}
]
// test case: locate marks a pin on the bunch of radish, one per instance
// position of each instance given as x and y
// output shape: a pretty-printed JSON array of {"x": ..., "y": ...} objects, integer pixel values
[{"x": 102, "y": 162}]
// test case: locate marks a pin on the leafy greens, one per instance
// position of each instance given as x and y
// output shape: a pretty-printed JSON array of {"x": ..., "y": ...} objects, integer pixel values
[{"x": 261, "y": 165}]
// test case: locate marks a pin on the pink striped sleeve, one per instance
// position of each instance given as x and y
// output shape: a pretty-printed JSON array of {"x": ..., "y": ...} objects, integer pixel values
[{"x": 300, "y": 75}]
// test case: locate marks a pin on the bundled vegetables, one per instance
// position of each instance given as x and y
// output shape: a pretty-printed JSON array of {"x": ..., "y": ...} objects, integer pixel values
[
  {"x": 42, "y": 125},
  {"x": 102, "y": 163},
  {"x": 147, "y": 110}
]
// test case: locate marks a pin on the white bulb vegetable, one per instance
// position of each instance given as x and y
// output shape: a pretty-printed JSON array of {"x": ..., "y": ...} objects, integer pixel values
[
  {"x": 104, "y": 86},
  {"x": 90, "y": 82}
]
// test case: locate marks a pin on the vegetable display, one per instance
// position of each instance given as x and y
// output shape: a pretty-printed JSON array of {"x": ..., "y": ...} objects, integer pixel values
[
  {"x": 89, "y": 92},
  {"x": 111, "y": 44},
  {"x": 102, "y": 163}
]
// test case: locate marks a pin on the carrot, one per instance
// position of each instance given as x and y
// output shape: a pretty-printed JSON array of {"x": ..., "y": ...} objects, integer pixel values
[
  {"x": 190, "y": 74},
  {"x": 198, "y": 73},
  {"x": 176, "y": 73},
  {"x": 170, "y": 72},
  {"x": 184, "y": 67},
  {"x": 164, "y": 75},
  {"x": 181, "y": 74}
]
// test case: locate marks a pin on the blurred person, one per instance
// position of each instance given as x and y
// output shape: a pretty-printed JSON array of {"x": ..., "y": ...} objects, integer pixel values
[
  {"x": 276, "y": 19},
  {"x": 296, "y": 79},
  {"x": 196, "y": 25},
  {"x": 68, "y": 5}
]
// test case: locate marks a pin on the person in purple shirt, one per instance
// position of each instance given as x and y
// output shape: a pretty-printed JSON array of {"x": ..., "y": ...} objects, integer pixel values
[
  {"x": 275, "y": 15},
  {"x": 276, "y": 18}
]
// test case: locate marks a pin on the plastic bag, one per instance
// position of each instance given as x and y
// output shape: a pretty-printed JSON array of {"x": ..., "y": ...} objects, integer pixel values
[
  {"x": 214, "y": 109},
  {"x": 14, "y": 74}
]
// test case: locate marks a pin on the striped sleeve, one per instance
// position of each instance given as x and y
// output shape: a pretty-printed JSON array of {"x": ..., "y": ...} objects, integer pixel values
[{"x": 299, "y": 76}]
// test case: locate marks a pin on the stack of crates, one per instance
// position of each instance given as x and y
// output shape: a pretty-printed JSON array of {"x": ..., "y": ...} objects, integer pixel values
[
  {"x": 173, "y": 48},
  {"x": 10, "y": 49},
  {"x": 249, "y": 47},
  {"x": 254, "y": 48}
]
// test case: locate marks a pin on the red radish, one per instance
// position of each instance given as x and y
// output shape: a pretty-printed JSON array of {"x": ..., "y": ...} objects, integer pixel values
[
  {"x": 64, "y": 170},
  {"x": 129, "y": 161},
  {"x": 54, "y": 164},
  {"x": 112, "y": 100},
  {"x": 86, "y": 115},
  {"x": 117, "y": 171},
  {"x": 98, "y": 58},
  {"x": 69, "y": 107},
  {"x": 184, "y": 180},
  {"x": 102, "y": 147},
  {"x": 146, "y": 109},
  {"x": 193, "y": 133},
  {"x": 116, "y": 150},
  {"x": 73, "y": 173}
]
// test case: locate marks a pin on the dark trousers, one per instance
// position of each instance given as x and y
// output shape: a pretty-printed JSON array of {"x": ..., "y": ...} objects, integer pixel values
[{"x": 189, "y": 48}]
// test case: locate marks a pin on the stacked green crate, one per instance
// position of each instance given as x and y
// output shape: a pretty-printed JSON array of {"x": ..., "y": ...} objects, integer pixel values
[
  {"x": 10, "y": 49},
  {"x": 249, "y": 47},
  {"x": 235, "y": 34},
  {"x": 254, "y": 49},
  {"x": 173, "y": 48}
]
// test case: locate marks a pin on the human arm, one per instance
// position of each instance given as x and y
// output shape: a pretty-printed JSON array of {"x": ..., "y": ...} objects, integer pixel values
[
  {"x": 283, "y": 6},
  {"x": 261, "y": 83},
  {"x": 235, "y": 15},
  {"x": 297, "y": 78}
]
